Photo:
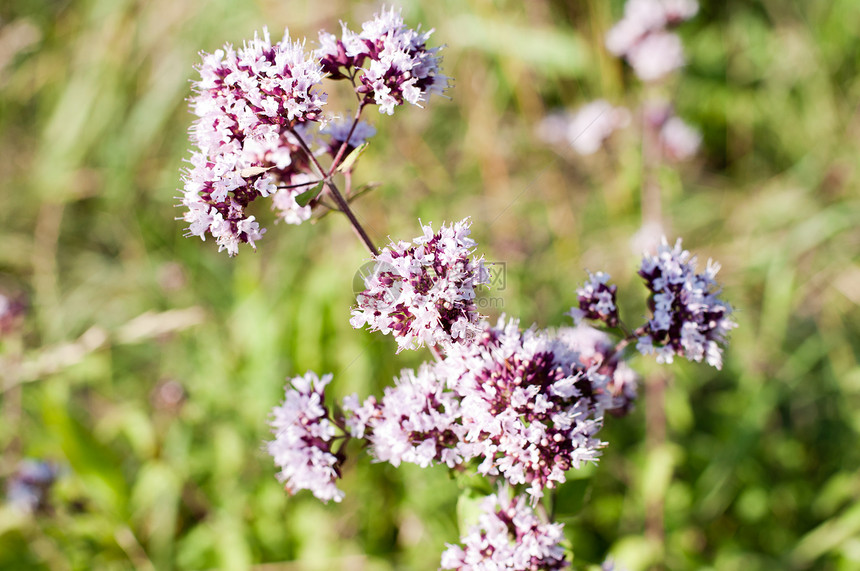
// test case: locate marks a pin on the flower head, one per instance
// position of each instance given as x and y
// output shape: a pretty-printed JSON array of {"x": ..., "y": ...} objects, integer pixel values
[
  {"x": 679, "y": 140},
  {"x": 338, "y": 130},
  {"x": 424, "y": 292},
  {"x": 596, "y": 300},
  {"x": 688, "y": 318},
  {"x": 656, "y": 55},
  {"x": 530, "y": 407},
  {"x": 585, "y": 129},
  {"x": 250, "y": 103},
  {"x": 393, "y": 62},
  {"x": 304, "y": 433},
  {"x": 418, "y": 421},
  {"x": 525, "y": 405},
  {"x": 508, "y": 536},
  {"x": 642, "y": 38}
]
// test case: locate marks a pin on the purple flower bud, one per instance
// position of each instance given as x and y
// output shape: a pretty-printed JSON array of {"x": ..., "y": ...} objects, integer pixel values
[
  {"x": 339, "y": 130},
  {"x": 595, "y": 350},
  {"x": 12, "y": 312},
  {"x": 29, "y": 486},
  {"x": 596, "y": 300}
]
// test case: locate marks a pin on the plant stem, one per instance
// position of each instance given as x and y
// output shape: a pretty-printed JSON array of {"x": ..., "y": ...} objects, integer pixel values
[
  {"x": 655, "y": 387},
  {"x": 332, "y": 190},
  {"x": 340, "y": 152},
  {"x": 299, "y": 185},
  {"x": 655, "y": 439}
]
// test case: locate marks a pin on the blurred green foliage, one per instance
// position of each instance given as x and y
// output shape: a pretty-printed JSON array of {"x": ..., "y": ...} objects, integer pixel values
[{"x": 148, "y": 362}]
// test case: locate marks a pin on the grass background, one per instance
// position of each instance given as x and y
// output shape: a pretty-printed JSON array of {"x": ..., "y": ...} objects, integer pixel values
[{"x": 759, "y": 469}]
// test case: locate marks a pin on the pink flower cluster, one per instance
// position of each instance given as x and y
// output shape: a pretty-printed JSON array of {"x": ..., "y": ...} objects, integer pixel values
[
  {"x": 642, "y": 38},
  {"x": 508, "y": 536},
  {"x": 304, "y": 433},
  {"x": 423, "y": 292},
  {"x": 596, "y": 300},
  {"x": 259, "y": 109},
  {"x": 585, "y": 129},
  {"x": 688, "y": 319},
  {"x": 520, "y": 403},
  {"x": 678, "y": 140},
  {"x": 390, "y": 61},
  {"x": 248, "y": 102}
]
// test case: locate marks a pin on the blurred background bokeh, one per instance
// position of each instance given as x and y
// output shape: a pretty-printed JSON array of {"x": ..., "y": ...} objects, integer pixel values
[{"x": 137, "y": 382}]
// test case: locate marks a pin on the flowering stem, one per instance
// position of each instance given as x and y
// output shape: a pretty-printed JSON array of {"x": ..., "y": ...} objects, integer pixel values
[
  {"x": 344, "y": 206},
  {"x": 435, "y": 350},
  {"x": 299, "y": 185},
  {"x": 342, "y": 150},
  {"x": 655, "y": 438},
  {"x": 625, "y": 342},
  {"x": 652, "y": 211},
  {"x": 332, "y": 190}
]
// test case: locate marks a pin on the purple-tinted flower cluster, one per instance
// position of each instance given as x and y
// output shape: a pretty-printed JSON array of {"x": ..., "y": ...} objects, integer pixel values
[
  {"x": 509, "y": 536},
  {"x": 424, "y": 292},
  {"x": 248, "y": 103},
  {"x": 642, "y": 38},
  {"x": 595, "y": 350},
  {"x": 29, "y": 487},
  {"x": 391, "y": 62},
  {"x": 520, "y": 407},
  {"x": 304, "y": 433},
  {"x": 678, "y": 141},
  {"x": 531, "y": 409},
  {"x": 585, "y": 129},
  {"x": 339, "y": 130},
  {"x": 520, "y": 403},
  {"x": 418, "y": 420},
  {"x": 12, "y": 312},
  {"x": 596, "y": 300},
  {"x": 258, "y": 109},
  {"x": 688, "y": 319}
]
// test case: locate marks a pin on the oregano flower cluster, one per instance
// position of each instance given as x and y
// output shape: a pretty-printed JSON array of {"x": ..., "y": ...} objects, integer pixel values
[
  {"x": 423, "y": 292},
  {"x": 520, "y": 407},
  {"x": 643, "y": 38},
  {"x": 508, "y": 535},
  {"x": 261, "y": 120}
]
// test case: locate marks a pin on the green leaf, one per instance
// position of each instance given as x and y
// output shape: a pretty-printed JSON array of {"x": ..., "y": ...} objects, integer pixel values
[
  {"x": 349, "y": 161},
  {"x": 469, "y": 509},
  {"x": 305, "y": 198}
]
